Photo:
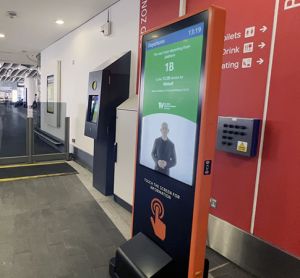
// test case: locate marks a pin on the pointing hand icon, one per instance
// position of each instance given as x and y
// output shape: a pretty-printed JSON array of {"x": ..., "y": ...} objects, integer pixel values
[{"x": 158, "y": 226}]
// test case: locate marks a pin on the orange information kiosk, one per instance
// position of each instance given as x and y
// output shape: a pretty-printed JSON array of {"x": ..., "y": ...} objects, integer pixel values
[{"x": 179, "y": 92}]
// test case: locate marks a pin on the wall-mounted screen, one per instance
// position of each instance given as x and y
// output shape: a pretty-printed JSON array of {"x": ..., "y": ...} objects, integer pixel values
[
  {"x": 50, "y": 94},
  {"x": 94, "y": 107},
  {"x": 170, "y": 102}
]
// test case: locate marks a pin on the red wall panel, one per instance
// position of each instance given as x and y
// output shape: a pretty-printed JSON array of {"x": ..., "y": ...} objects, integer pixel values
[
  {"x": 242, "y": 95},
  {"x": 278, "y": 209},
  {"x": 162, "y": 11}
]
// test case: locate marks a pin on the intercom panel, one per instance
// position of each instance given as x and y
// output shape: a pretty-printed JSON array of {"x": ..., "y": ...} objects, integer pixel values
[{"x": 238, "y": 135}]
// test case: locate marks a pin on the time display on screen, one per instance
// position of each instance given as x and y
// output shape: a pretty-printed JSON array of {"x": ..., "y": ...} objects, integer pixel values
[{"x": 195, "y": 31}]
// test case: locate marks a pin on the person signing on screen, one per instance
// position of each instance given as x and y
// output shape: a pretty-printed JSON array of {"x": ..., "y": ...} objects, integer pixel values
[{"x": 163, "y": 152}]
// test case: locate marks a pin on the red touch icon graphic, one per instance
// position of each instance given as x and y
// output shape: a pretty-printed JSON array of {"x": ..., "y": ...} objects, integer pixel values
[{"x": 158, "y": 212}]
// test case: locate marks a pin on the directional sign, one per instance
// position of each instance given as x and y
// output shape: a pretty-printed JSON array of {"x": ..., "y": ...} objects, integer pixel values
[
  {"x": 262, "y": 45},
  {"x": 263, "y": 29},
  {"x": 260, "y": 61}
]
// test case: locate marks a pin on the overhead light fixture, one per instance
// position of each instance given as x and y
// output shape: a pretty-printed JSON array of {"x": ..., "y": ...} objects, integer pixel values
[
  {"x": 2, "y": 35},
  {"x": 59, "y": 22}
]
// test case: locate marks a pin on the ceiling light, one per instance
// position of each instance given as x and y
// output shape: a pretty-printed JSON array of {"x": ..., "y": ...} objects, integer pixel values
[
  {"x": 59, "y": 22},
  {"x": 2, "y": 35}
]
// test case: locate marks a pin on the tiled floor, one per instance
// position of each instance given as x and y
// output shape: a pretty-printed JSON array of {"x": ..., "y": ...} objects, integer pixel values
[
  {"x": 119, "y": 216},
  {"x": 53, "y": 228},
  {"x": 62, "y": 227}
]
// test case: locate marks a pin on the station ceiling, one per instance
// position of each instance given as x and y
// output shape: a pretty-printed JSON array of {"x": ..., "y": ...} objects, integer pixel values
[
  {"x": 15, "y": 73},
  {"x": 34, "y": 28}
]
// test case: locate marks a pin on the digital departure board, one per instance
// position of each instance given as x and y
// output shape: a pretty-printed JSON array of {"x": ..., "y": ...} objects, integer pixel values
[{"x": 170, "y": 107}]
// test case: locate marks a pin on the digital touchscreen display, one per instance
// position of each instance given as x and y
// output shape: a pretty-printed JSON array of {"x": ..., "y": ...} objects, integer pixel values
[
  {"x": 94, "y": 106},
  {"x": 170, "y": 102}
]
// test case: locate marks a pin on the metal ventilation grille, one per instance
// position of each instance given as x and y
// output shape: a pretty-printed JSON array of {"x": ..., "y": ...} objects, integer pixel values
[{"x": 16, "y": 73}]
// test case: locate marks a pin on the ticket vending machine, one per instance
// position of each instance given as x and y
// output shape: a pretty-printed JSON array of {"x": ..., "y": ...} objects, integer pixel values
[
  {"x": 108, "y": 88},
  {"x": 179, "y": 92}
]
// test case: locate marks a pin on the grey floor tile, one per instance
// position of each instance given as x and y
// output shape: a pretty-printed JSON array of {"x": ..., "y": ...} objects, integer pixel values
[
  {"x": 54, "y": 237},
  {"x": 110, "y": 251},
  {"x": 214, "y": 258},
  {"x": 6, "y": 254},
  {"x": 53, "y": 227},
  {"x": 101, "y": 272},
  {"x": 22, "y": 266},
  {"x": 43, "y": 271},
  {"x": 5, "y": 271},
  {"x": 70, "y": 275},
  {"x": 21, "y": 245}
]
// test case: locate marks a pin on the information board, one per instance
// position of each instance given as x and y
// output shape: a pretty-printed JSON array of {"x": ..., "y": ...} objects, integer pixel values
[
  {"x": 171, "y": 86},
  {"x": 180, "y": 62}
]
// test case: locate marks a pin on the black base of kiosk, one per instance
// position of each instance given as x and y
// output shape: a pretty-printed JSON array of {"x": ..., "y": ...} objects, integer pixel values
[{"x": 140, "y": 257}]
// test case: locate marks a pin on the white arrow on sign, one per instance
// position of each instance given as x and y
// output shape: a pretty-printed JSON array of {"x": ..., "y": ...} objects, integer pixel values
[
  {"x": 260, "y": 61},
  {"x": 263, "y": 29},
  {"x": 262, "y": 45}
]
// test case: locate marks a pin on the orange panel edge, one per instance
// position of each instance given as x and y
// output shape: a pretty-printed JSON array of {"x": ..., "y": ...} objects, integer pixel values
[{"x": 215, "y": 42}]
